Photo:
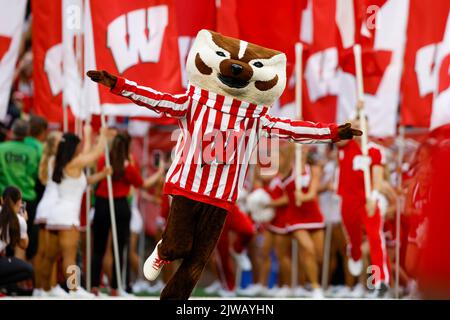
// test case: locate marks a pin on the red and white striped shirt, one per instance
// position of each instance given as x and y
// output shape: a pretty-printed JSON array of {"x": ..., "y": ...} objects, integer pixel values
[{"x": 218, "y": 136}]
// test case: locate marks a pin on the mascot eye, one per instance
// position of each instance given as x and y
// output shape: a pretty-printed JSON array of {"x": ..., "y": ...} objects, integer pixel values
[
  {"x": 258, "y": 64},
  {"x": 220, "y": 53}
]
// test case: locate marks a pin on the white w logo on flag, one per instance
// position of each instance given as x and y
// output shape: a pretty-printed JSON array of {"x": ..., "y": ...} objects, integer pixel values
[{"x": 138, "y": 34}]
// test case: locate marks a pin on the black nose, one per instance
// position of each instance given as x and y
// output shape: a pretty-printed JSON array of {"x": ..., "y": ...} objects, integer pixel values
[{"x": 236, "y": 69}]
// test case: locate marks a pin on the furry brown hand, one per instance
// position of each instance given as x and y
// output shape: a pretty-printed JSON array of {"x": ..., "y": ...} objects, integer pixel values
[
  {"x": 102, "y": 77},
  {"x": 346, "y": 132}
]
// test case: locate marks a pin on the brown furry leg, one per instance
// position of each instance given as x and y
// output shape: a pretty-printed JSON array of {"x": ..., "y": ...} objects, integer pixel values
[
  {"x": 207, "y": 230},
  {"x": 178, "y": 236}
]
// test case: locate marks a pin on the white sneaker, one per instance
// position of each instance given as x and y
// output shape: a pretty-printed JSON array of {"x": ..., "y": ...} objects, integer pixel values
[
  {"x": 283, "y": 292},
  {"x": 355, "y": 267},
  {"x": 412, "y": 290},
  {"x": 139, "y": 286},
  {"x": 317, "y": 293},
  {"x": 358, "y": 291},
  {"x": 57, "y": 292},
  {"x": 266, "y": 292},
  {"x": 252, "y": 290},
  {"x": 301, "y": 292},
  {"x": 39, "y": 293},
  {"x": 123, "y": 294},
  {"x": 343, "y": 292},
  {"x": 105, "y": 281},
  {"x": 157, "y": 287},
  {"x": 80, "y": 293},
  {"x": 153, "y": 264},
  {"x": 242, "y": 260},
  {"x": 213, "y": 287},
  {"x": 225, "y": 293}
]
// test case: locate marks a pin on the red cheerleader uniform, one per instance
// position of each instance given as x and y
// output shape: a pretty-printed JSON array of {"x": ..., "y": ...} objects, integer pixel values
[
  {"x": 279, "y": 223},
  {"x": 308, "y": 215},
  {"x": 354, "y": 214}
]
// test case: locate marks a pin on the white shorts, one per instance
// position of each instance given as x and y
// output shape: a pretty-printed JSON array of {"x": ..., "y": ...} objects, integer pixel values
[{"x": 136, "y": 222}]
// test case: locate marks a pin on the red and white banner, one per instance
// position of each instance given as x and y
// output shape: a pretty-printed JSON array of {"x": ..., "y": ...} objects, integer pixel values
[
  {"x": 380, "y": 28},
  {"x": 441, "y": 103},
  {"x": 48, "y": 79},
  {"x": 136, "y": 40},
  {"x": 320, "y": 77},
  {"x": 72, "y": 57},
  {"x": 426, "y": 26},
  {"x": 12, "y": 16}
]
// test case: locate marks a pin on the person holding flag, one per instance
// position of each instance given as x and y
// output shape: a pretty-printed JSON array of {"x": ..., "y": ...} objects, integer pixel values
[{"x": 360, "y": 212}]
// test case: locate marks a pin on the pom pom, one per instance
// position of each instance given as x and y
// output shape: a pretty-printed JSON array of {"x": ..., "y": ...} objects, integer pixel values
[{"x": 257, "y": 202}]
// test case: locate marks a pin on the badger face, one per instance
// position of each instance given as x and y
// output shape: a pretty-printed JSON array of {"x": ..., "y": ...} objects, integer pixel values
[{"x": 236, "y": 68}]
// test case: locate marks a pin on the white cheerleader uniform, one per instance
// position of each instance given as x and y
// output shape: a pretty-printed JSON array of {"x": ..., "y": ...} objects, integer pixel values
[
  {"x": 49, "y": 197},
  {"x": 136, "y": 221},
  {"x": 65, "y": 213}
]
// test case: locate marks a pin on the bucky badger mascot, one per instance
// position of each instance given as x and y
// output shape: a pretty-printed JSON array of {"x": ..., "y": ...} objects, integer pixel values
[{"x": 232, "y": 84}]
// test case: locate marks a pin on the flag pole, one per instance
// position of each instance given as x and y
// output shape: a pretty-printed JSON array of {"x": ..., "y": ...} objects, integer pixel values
[
  {"x": 299, "y": 113},
  {"x": 88, "y": 230},
  {"x": 362, "y": 116},
  {"x": 144, "y": 169},
  {"x": 65, "y": 118},
  {"x": 298, "y": 149},
  {"x": 401, "y": 152},
  {"x": 112, "y": 210},
  {"x": 79, "y": 54}
]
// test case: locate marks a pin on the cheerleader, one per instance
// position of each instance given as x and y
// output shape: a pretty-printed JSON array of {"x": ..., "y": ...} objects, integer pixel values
[
  {"x": 274, "y": 226},
  {"x": 278, "y": 226},
  {"x": 47, "y": 201},
  {"x": 305, "y": 220},
  {"x": 259, "y": 204},
  {"x": 63, "y": 220},
  {"x": 359, "y": 212},
  {"x": 125, "y": 175}
]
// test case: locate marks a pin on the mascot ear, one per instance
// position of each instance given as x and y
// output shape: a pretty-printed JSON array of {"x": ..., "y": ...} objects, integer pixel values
[{"x": 203, "y": 37}]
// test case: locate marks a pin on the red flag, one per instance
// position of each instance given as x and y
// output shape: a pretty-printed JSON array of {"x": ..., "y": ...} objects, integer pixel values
[
  {"x": 374, "y": 64},
  {"x": 227, "y": 18},
  {"x": 320, "y": 90},
  {"x": 12, "y": 16},
  {"x": 426, "y": 28},
  {"x": 5, "y": 42},
  {"x": 379, "y": 26},
  {"x": 441, "y": 99},
  {"x": 192, "y": 16},
  {"x": 272, "y": 24},
  {"x": 134, "y": 39},
  {"x": 47, "y": 60}
]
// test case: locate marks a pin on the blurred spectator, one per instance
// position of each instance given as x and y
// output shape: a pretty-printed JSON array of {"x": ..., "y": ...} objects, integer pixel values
[
  {"x": 36, "y": 136},
  {"x": 37, "y": 133},
  {"x": 13, "y": 233},
  {"x": 19, "y": 164}
]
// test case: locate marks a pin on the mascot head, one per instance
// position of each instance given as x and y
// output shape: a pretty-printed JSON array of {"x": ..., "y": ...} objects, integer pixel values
[{"x": 236, "y": 68}]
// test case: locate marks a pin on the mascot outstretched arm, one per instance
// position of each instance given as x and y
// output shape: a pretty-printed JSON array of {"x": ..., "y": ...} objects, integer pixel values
[{"x": 232, "y": 84}]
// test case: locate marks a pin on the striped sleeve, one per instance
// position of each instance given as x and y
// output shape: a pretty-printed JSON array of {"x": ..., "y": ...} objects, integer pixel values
[
  {"x": 299, "y": 131},
  {"x": 171, "y": 105}
]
